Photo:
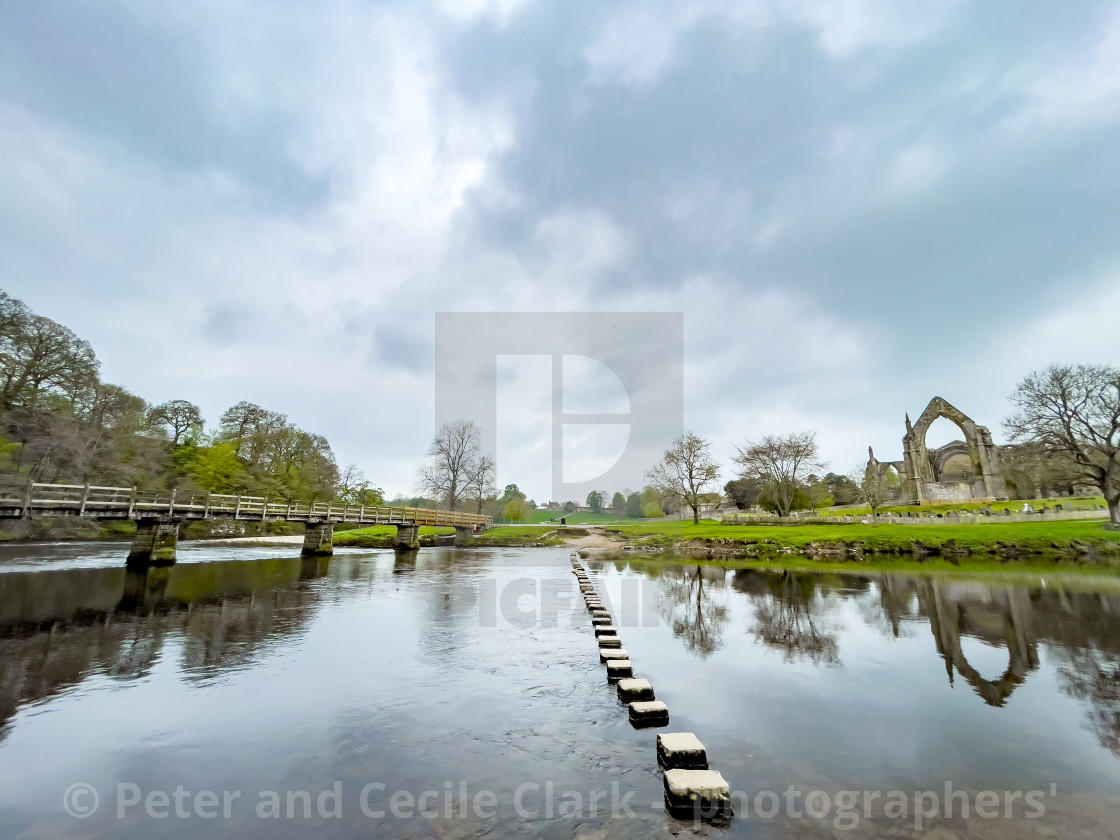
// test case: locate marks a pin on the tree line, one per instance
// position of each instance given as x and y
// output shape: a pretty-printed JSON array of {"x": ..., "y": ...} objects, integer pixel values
[
  {"x": 61, "y": 423},
  {"x": 1066, "y": 421}
]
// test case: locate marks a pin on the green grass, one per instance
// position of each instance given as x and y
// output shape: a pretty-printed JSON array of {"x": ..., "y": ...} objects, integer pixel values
[
  {"x": 888, "y": 538},
  {"x": 552, "y": 517},
  {"x": 517, "y": 535},
  {"x": 1072, "y": 575},
  {"x": 381, "y": 536},
  {"x": 1016, "y": 506}
]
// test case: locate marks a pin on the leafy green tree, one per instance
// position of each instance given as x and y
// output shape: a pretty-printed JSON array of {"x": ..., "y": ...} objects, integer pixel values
[
  {"x": 518, "y": 510},
  {"x": 743, "y": 492},
  {"x": 634, "y": 505},
  {"x": 595, "y": 501},
  {"x": 353, "y": 489},
  {"x": 651, "y": 502},
  {"x": 618, "y": 504},
  {"x": 215, "y": 469},
  {"x": 842, "y": 488}
]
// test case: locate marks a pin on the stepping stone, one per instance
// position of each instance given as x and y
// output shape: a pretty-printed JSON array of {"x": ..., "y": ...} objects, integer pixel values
[
  {"x": 631, "y": 690},
  {"x": 610, "y": 641},
  {"x": 600, "y": 614},
  {"x": 681, "y": 751},
  {"x": 618, "y": 669},
  {"x": 649, "y": 713},
  {"x": 605, "y": 630},
  {"x": 593, "y": 605},
  {"x": 606, "y": 654},
  {"x": 601, "y": 620},
  {"x": 703, "y": 793}
]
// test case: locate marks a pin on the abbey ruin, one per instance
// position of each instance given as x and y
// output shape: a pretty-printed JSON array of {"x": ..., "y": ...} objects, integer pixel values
[{"x": 960, "y": 471}]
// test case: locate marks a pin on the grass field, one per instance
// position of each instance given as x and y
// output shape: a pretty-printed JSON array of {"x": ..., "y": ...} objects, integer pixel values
[
  {"x": 1016, "y": 506},
  {"x": 543, "y": 517},
  {"x": 381, "y": 536},
  {"x": 1038, "y": 535}
]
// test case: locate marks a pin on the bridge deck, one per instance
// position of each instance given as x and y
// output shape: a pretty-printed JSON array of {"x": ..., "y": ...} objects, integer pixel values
[{"x": 90, "y": 501}]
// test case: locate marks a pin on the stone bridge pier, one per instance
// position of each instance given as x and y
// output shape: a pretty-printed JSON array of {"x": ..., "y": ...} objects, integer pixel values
[
  {"x": 318, "y": 540},
  {"x": 463, "y": 534},
  {"x": 408, "y": 537},
  {"x": 155, "y": 543}
]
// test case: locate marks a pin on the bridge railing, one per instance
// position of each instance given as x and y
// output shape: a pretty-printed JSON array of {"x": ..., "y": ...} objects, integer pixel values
[{"x": 43, "y": 499}]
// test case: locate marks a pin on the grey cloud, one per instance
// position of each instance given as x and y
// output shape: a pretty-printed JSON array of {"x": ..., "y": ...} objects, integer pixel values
[{"x": 151, "y": 86}]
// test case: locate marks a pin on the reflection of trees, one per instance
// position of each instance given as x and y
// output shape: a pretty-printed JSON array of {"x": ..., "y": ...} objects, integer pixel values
[
  {"x": 687, "y": 605},
  {"x": 1094, "y": 677},
  {"x": 58, "y": 627},
  {"x": 789, "y": 619}
]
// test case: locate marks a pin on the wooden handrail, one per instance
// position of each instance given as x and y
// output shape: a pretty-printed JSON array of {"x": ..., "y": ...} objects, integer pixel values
[{"x": 94, "y": 501}]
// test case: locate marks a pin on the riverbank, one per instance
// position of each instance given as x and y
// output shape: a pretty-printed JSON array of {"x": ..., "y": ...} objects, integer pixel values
[{"x": 1072, "y": 542}]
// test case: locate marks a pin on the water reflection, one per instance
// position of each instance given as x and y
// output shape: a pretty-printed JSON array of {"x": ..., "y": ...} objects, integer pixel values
[
  {"x": 58, "y": 627},
  {"x": 790, "y": 615},
  {"x": 410, "y": 669},
  {"x": 688, "y": 607},
  {"x": 798, "y": 614}
]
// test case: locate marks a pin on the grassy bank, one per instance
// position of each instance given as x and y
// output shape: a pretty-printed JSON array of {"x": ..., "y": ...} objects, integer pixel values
[
  {"x": 381, "y": 536},
  {"x": 1074, "y": 539},
  {"x": 1016, "y": 506}
]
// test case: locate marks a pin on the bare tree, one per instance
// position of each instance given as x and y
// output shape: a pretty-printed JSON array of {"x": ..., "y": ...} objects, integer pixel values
[
  {"x": 685, "y": 471},
  {"x": 179, "y": 416},
  {"x": 481, "y": 480},
  {"x": 453, "y": 460},
  {"x": 875, "y": 483},
  {"x": 781, "y": 464},
  {"x": 1074, "y": 411},
  {"x": 692, "y": 612}
]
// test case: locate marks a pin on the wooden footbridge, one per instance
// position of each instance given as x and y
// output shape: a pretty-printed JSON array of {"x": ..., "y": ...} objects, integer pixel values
[{"x": 159, "y": 514}]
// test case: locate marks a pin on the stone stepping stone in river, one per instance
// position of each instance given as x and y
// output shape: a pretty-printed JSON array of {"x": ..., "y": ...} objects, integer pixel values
[
  {"x": 619, "y": 669},
  {"x": 607, "y": 654},
  {"x": 601, "y": 620},
  {"x": 681, "y": 751},
  {"x": 605, "y": 630},
  {"x": 600, "y": 614},
  {"x": 631, "y": 690},
  {"x": 610, "y": 641},
  {"x": 703, "y": 793},
  {"x": 649, "y": 713}
]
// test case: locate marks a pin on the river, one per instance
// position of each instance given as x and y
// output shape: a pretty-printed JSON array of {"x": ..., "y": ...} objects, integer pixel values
[{"x": 454, "y": 693}]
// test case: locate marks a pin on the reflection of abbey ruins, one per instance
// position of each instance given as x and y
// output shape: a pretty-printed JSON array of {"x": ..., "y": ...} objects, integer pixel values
[{"x": 961, "y": 471}]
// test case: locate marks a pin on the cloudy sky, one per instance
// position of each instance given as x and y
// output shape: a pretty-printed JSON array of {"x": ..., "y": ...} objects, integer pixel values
[{"x": 857, "y": 204}]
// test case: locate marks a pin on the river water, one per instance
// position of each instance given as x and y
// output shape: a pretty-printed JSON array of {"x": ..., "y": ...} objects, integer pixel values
[{"x": 452, "y": 693}]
